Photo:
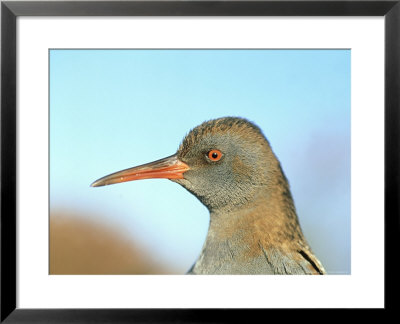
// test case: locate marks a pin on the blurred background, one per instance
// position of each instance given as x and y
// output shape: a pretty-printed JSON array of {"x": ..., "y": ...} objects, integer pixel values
[{"x": 114, "y": 109}]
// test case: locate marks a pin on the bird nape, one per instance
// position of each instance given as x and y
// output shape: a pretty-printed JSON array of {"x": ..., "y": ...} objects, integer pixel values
[{"x": 228, "y": 164}]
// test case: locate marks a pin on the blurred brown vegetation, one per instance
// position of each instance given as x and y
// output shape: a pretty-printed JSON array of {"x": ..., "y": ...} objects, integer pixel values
[{"x": 80, "y": 245}]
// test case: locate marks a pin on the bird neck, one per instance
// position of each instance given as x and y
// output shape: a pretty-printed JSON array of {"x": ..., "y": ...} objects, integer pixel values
[
  {"x": 271, "y": 219},
  {"x": 242, "y": 237}
]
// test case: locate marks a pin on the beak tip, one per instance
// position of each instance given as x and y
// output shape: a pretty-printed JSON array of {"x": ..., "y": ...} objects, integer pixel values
[{"x": 96, "y": 184}]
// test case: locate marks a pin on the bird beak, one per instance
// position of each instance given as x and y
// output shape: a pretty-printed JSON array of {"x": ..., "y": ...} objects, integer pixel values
[{"x": 168, "y": 168}]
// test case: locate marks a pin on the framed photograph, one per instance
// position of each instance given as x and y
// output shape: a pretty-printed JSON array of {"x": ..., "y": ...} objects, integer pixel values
[{"x": 288, "y": 109}]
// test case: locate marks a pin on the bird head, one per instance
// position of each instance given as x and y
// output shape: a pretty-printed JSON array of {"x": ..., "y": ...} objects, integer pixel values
[
  {"x": 229, "y": 159},
  {"x": 224, "y": 162}
]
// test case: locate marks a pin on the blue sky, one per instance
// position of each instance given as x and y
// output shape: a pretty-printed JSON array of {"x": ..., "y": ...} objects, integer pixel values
[{"x": 114, "y": 109}]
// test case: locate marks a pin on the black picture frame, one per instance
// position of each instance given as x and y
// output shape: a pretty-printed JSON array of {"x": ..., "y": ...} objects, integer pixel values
[{"x": 10, "y": 10}]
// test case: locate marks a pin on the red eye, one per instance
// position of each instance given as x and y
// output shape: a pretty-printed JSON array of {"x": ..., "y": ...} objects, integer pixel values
[{"x": 214, "y": 155}]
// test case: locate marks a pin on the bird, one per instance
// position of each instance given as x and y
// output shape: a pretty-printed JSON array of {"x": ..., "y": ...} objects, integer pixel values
[{"x": 229, "y": 165}]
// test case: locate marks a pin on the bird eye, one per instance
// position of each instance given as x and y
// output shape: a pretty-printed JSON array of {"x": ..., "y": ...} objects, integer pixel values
[{"x": 214, "y": 155}]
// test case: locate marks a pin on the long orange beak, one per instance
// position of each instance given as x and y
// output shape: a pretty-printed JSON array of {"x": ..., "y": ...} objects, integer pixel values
[{"x": 167, "y": 168}]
